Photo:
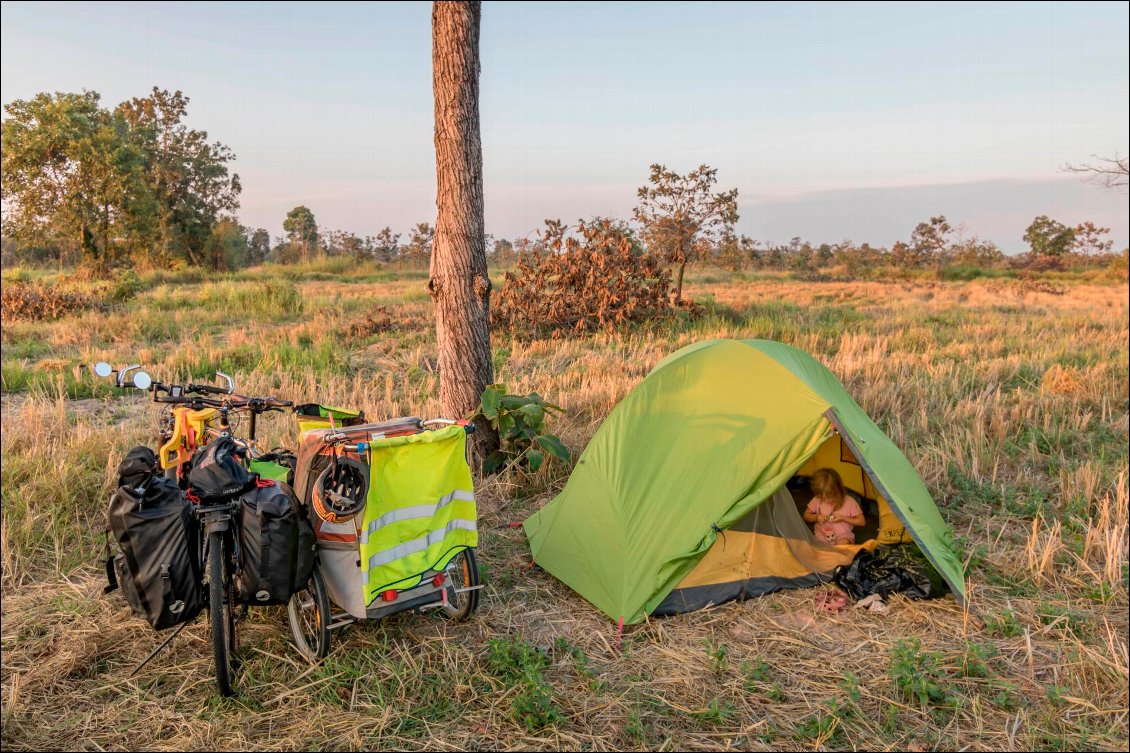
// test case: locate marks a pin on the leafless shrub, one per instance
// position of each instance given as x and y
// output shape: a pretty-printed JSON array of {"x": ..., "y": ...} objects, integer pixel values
[
  {"x": 594, "y": 277},
  {"x": 1031, "y": 284},
  {"x": 378, "y": 320}
]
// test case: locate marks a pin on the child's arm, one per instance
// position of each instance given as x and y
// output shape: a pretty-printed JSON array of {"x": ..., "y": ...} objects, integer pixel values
[
  {"x": 812, "y": 516},
  {"x": 855, "y": 520},
  {"x": 850, "y": 513}
]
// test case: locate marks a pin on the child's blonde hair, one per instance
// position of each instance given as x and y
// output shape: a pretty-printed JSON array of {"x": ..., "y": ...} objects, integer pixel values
[{"x": 827, "y": 484}]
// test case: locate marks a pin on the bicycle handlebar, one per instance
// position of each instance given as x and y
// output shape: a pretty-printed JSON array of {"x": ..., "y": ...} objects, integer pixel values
[
  {"x": 233, "y": 401},
  {"x": 194, "y": 400}
]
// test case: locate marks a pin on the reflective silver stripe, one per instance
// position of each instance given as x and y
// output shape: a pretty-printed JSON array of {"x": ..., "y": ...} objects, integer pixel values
[
  {"x": 417, "y": 545},
  {"x": 416, "y": 511}
]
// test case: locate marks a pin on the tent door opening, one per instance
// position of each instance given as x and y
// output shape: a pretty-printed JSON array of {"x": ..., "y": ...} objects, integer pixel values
[{"x": 772, "y": 548}]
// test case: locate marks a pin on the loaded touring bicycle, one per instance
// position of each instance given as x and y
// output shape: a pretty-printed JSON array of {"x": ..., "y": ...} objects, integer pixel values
[
  {"x": 393, "y": 510},
  {"x": 195, "y": 528},
  {"x": 366, "y": 520}
]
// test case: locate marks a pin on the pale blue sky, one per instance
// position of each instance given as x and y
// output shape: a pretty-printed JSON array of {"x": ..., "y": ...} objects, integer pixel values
[{"x": 834, "y": 120}]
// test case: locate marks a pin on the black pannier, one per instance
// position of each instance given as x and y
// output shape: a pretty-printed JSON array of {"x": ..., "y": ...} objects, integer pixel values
[
  {"x": 217, "y": 471},
  {"x": 276, "y": 545},
  {"x": 158, "y": 567}
]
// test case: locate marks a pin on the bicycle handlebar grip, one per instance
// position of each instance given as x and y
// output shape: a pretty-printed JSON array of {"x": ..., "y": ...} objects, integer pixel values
[{"x": 206, "y": 389}]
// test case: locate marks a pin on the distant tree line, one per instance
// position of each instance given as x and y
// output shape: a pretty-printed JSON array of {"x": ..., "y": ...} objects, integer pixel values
[
  {"x": 682, "y": 219},
  {"x": 305, "y": 241},
  {"x": 934, "y": 245},
  {"x": 97, "y": 187}
]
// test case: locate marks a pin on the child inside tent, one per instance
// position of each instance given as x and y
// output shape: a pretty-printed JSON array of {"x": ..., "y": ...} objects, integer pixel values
[{"x": 834, "y": 513}]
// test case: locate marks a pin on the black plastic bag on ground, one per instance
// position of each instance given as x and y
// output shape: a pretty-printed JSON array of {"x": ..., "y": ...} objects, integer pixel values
[
  {"x": 276, "y": 545},
  {"x": 158, "y": 568},
  {"x": 888, "y": 570}
]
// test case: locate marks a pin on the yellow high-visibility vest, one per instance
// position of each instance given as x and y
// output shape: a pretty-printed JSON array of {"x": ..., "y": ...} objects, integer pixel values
[{"x": 420, "y": 509}]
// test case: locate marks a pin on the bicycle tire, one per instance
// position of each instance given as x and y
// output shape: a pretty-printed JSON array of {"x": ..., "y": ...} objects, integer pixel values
[
  {"x": 308, "y": 612},
  {"x": 220, "y": 618},
  {"x": 464, "y": 573}
]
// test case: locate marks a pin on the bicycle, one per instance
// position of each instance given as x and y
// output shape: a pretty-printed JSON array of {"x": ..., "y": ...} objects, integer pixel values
[
  {"x": 208, "y": 419},
  {"x": 220, "y": 520}
]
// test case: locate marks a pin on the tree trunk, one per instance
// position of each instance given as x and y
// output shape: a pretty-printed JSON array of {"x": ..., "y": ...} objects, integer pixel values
[
  {"x": 679, "y": 282},
  {"x": 458, "y": 278}
]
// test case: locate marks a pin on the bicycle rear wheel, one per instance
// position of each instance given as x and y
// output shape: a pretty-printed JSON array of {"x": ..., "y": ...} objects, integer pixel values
[{"x": 221, "y": 615}]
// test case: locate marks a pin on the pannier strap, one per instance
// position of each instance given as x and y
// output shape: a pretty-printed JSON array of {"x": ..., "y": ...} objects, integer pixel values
[{"x": 111, "y": 572}]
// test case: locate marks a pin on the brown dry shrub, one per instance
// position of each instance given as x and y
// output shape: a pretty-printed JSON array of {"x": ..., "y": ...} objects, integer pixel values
[
  {"x": 594, "y": 277},
  {"x": 1037, "y": 263},
  {"x": 34, "y": 301},
  {"x": 1032, "y": 284},
  {"x": 378, "y": 320},
  {"x": 1061, "y": 380}
]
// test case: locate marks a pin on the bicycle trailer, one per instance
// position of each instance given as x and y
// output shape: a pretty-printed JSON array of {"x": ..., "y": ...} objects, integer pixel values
[{"x": 393, "y": 509}]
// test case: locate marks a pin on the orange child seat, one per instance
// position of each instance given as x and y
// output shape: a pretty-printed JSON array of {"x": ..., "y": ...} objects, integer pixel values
[{"x": 189, "y": 427}]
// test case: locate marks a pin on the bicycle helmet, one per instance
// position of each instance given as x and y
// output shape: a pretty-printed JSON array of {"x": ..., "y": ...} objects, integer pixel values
[{"x": 341, "y": 489}]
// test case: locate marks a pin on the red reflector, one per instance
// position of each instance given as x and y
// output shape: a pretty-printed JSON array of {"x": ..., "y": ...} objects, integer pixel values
[
  {"x": 438, "y": 580},
  {"x": 389, "y": 596}
]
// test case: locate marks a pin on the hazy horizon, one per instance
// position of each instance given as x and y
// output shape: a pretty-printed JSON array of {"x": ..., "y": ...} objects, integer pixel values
[{"x": 834, "y": 121}]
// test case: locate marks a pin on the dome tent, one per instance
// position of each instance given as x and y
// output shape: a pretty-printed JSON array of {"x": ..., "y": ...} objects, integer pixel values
[{"x": 680, "y": 500}]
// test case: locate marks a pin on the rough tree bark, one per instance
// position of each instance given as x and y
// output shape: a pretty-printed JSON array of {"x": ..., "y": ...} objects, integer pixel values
[{"x": 458, "y": 282}]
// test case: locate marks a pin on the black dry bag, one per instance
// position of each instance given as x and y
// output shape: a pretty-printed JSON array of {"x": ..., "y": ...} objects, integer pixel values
[
  {"x": 158, "y": 567},
  {"x": 217, "y": 472},
  {"x": 890, "y": 569},
  {"x": 276, "y": 545}
]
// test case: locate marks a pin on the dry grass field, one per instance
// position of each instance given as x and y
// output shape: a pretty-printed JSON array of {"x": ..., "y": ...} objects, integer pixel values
[{"x": 1010, "y": 399}]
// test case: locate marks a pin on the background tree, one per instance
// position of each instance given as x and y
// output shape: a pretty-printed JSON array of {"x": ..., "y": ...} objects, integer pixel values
[
  {"x": 974, "y": 252},
  {"x": 186, "y": 175},
  {"x": 502, "y": 254},
  {"x": 929, "y": 240},
  {"x": 680, "y": 214},
  {"x": 258, "y": 245},
  {"x": 1109, "y": 172},
  {"x": 227, "y": 246},
  {"x": 386, "y": 245},
  {"x": 458, "y": 280},
  {"x": 420, "y": 240},
  {"x": 1088, "y": 240},
  {"x": 734, "y": 252},
  {"x": 347, "y": 243},
  {"x": 302, "y": 231},
  {"x": 71, "y": 172},
  {"x": 1047, "y": 237}
]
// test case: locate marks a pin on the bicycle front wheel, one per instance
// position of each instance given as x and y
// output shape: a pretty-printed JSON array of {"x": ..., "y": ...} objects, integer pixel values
[{"x": 221, "y": 615}]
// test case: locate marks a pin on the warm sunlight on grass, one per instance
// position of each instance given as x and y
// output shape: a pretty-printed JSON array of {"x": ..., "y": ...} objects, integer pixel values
[{"x": 1010, "y": 400}]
